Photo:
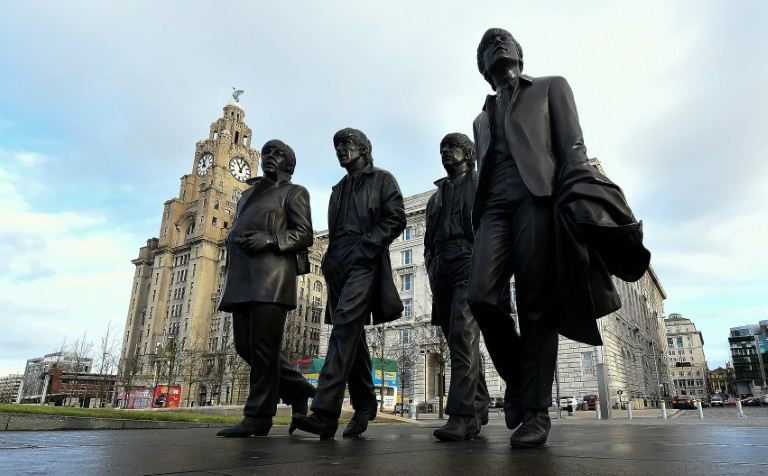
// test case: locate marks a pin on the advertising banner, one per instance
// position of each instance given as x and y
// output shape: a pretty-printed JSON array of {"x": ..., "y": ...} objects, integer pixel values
[{"x": 167, "y": 396}]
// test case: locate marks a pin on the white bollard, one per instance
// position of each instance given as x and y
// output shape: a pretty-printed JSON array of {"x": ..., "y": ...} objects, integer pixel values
[
  {"x": 740, "y": 410},
  {"x": 598, "y": 416},
  {"x": 701, "y": 409},
  {"x": 629, "y": 410},
  {"x": 663, "y": 410}
]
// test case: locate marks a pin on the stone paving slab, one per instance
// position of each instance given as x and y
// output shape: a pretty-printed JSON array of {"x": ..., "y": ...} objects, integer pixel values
[
  {"x": 576, "y": 447},
  {"x": 28, "y": 422}
]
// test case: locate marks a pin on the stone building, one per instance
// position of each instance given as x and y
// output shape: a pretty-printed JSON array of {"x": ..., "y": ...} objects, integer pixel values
[
  {"x": 633, "y": 353},
  {"x": 722, "y": 381},
  {"x": 688, "y": 366},
  {"x": 9, "y": 388},
  {"x": 173, "y": 334},
  {"x": 749, "y": 352},
  {"x": 302, "y": 328}
]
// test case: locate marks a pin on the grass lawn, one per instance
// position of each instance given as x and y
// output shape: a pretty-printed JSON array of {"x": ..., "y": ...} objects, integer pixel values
[{"x": 144, "y": 414}]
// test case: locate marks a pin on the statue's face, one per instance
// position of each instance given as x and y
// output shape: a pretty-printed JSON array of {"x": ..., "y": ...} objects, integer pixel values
[
  {"x": 453, "y": 156},
  {"x": 347, "y": 151},
  {"x": 274, "y": 159},
  {"x": 502, "y": 53}
]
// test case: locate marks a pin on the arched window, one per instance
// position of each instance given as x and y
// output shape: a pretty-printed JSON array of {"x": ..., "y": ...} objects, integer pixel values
[{"x": 318, "y": 286}]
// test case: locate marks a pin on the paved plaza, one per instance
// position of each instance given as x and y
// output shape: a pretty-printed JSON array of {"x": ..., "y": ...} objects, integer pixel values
[{"x": 720, "y": 444}]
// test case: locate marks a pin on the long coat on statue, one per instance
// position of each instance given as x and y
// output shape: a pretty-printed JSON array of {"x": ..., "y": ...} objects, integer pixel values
[
  {"x": 381, "y": 215},
  {"x": 596, "y": 236},
  {"x": 282, "y": 210}
]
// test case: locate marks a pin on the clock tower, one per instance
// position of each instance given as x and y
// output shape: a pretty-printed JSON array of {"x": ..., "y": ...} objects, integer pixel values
[{"x": 174, "y": 335}]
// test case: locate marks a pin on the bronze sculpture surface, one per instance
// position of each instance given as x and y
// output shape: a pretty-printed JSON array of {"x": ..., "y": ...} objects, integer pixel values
[
  {"x": 272, "y": 227},
  {"x": 534, "y": 220},
  {"x": 448, "y": 245},
  {"x": 365, "y": 214}
]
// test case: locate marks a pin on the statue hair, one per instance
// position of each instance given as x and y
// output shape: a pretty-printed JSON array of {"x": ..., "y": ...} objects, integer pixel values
[
  {"x": 462, "y": 141},
  {"x": 487, "y": 38},
  {"x": 358, "y": 138},
  {"x": 278, "y": 144}
]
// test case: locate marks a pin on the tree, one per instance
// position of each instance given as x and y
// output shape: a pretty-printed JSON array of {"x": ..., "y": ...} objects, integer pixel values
[
  {"x": 81, "y": 352},
  {"x": 105, "y": 362},
  {"x": 237, "y": 373},
  {"x": 129, "y": 367},
  {"x": 190, "y": 367},
  {"x": 405, "y": 353}
]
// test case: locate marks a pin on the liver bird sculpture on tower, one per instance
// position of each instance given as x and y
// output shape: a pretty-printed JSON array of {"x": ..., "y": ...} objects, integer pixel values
[{"x": 236, "y": 93}]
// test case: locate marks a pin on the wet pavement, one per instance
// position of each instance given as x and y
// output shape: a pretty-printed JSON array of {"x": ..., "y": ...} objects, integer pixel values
[{"x": 578, "y": 446}]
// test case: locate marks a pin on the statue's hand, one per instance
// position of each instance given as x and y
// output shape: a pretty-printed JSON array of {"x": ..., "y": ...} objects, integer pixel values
[{"x": 255, "y": 241}]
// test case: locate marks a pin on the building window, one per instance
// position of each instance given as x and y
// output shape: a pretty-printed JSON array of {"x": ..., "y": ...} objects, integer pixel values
[
  {"x": 405, "y": 336},
  {"x": 587, "y": 363},
  {"x": 408, "y": 233},
  {"x": 408, "y": 307},
  {"x": 318, "y": 286},
  {"x": 407, "y": 282},
  {"x": 406, "y": 257}
]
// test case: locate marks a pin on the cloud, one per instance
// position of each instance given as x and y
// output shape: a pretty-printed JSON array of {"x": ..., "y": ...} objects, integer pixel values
[
  {"x": 108, "y": 102},
  {"x": 63, "y": 273}
]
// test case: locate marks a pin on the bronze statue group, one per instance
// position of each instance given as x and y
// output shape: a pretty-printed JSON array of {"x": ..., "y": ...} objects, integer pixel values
[{"x": 521, "y": 200}]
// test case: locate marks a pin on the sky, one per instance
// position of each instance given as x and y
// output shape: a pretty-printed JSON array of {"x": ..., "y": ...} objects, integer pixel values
[{"x": 101, "y": 105}]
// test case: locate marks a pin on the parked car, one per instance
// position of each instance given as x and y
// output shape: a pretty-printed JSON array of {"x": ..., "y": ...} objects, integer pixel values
[
  {"x": 684, "y": 403},
  {"x": 716, "y": 401},
  {"x": 565, "y": 402},
  {"x": 497, "y": 402},
  {"x": 752, "y": 401},
  {"x": 591, "y": 401},
  {"x": 765, "y": 399}
]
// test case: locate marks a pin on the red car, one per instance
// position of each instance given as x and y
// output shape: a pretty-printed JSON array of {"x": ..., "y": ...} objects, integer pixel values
[{"x": 591, "y": 401}]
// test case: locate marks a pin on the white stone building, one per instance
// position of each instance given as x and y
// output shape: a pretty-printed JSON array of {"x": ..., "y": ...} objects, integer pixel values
[{"x": 688, "y": 365}]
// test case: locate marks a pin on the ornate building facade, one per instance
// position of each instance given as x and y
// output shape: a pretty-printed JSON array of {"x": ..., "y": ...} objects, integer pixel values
[
  {"x": 174, "y": 334},
  {"x": 633, "y": 355},
  {"x": 688, "y": 365}
]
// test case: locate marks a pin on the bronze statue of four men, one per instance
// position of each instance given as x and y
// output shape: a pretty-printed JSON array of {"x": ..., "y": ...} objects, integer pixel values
[{"x": 532, "y": 208}]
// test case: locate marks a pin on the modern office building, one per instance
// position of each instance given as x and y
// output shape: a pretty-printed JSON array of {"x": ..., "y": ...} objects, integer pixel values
[{"x": 749, "y": 352}]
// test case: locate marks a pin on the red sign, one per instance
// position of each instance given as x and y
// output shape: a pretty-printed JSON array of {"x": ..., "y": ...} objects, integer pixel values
[{"x": 167, "y": 396}]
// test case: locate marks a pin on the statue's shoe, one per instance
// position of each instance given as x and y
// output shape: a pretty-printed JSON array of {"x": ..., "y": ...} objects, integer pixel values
[
  {"x": 458, "y": 428},
  {"x": 314, "y": 423},
  {"x": 247, "y": 427},
  {"x": 359, "y": 422},
  {"x": 534, "y": 430}
]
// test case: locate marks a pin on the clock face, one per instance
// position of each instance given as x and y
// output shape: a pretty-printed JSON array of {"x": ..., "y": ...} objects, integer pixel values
[
  {"x": 204, "y": 163},
  {"x": 240, "y": 169}
]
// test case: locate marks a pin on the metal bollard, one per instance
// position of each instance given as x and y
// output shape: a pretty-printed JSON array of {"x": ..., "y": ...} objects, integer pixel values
[
  {"x": 571, "y": 410},
  {"x": 598, "y": 416},
  {"x": 664, "y": 410},
  {"x": 740, "y": 410},
  {"x": 629, "y": 410},
  {"x": 701, "y": 409}
]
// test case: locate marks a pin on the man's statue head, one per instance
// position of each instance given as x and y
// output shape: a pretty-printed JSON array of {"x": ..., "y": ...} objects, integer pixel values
[
  {"x": 353, "y": 149},
  {"x": 276, "y": 156},
  {"x": 499, "y": 53},
  {"x": 457, "y": 152}
]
